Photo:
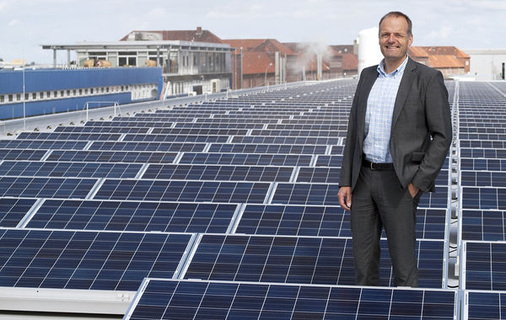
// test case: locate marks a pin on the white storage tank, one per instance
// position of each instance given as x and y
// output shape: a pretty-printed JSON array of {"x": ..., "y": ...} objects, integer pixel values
[{"x": 369, "y": 53}]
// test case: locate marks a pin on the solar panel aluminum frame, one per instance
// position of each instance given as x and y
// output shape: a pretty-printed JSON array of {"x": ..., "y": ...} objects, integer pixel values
[{"x": 60, "y": 301}]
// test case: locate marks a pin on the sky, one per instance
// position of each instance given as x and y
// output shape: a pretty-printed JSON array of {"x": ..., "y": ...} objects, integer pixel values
[{"x": 27, "y": 24}]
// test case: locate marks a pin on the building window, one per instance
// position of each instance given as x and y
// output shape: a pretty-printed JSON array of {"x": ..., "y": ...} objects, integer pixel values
[{"x": 127, "y": 59}]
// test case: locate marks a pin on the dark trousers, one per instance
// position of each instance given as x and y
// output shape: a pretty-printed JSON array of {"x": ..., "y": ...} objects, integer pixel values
[{"x": 379, "y": 201}]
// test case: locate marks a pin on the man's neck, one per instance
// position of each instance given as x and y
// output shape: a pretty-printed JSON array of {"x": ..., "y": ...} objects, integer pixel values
[{"x": 392, "y": 65}]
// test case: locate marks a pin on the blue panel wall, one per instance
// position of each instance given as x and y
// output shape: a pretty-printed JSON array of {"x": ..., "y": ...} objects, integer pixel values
[
  {"x": 11, "y": 81},
  {"x": 59, "y": 105}
]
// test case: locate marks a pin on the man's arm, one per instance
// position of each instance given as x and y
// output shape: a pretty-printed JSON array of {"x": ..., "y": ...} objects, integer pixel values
[{"x": 440, "y": 127}]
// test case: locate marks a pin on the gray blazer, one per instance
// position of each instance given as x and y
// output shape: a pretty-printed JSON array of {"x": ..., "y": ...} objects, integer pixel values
[{"x": 421, "y": 131}]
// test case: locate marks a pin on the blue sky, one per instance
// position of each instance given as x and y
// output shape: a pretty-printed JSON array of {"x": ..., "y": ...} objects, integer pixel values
[{"x": 26, "y": 24}]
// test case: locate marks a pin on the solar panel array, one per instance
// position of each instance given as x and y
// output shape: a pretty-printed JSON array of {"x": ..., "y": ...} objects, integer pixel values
[
  {"x": 482, "y": 204},
  {"x": 228, "y": 209}
]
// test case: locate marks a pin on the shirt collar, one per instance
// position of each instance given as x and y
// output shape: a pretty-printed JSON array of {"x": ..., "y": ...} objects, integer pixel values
[{"x": 398, "y": 71}]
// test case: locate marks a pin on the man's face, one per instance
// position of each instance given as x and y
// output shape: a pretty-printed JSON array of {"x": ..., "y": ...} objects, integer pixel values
[{"x": 394, "y": 40}]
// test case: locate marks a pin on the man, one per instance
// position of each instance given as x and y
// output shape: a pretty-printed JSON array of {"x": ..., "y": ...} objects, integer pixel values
[{"x": 399, "y": 133}]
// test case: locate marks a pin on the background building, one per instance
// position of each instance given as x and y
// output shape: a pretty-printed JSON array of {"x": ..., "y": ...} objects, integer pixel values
[
  {"x": 487, "y": 64},
  {"x": 187, "y": 66},
  {"x": 451, "y": 61}
]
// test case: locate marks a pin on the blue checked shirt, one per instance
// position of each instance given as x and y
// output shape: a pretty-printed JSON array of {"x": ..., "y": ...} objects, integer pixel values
[{"x": 378, "y": 117}]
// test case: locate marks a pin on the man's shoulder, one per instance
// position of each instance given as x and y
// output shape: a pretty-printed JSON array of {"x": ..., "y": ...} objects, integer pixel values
[
  {"x": 420, "y": 67},
  {"x": 371, "y": 69},
  {"x": 369, "y": 72}
]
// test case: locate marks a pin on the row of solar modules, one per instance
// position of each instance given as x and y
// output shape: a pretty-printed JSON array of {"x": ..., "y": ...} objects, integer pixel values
[
  {"x": 482, "y": 159},
  {"x": 88, "y": 230}
]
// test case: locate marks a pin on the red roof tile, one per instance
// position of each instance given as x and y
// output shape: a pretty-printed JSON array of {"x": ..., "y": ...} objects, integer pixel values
[
  {"x": 257, "y": 63},
  {"x": 441, "y": 56}
]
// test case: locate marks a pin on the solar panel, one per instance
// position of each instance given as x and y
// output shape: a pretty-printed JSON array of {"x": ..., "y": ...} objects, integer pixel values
[
  {"x": 437, "y": 199},
  {"x": 482, "y": 136},
  {"x": 132, "y": 216},
  {"x": 268, "y": 148},
  {"x": 176, "y": 138},
  {"x": 322, "y": 221},
  {"x": 133, "y": 124},
  {"x": 112, "y": 156},
  {"x": 45, "y": 187},
  {"x": 12, "y": 211},
  {"x": 483, "y": 198},
  {"x": 40, "y": 144},
  {"x": 148, "y": 146},
  {"x": 15, "y": 154},
  {"x": 165, "y": 299},
  {"x": 306, "y": 194},
  {"x": 318, "y": 221},
  {"x": 246, "y": 159},
  {"x": 484, "y": 305},
  {"x": 483, "y": 153},
  {"x": 193, "y": 191},
  {"x": 483, "y": 225},
  {"x": 89, "y": 129},
  {"x": 69, "y": 169},
  {"x": 245, "y": 125},
  {"x": 302, "y": 260},
  {"x": 217, "y": 172},
  {"x": 488, "y": 164},
  {"x": 286, "y": 140},
  {"x": 318, "y": 175},
  {"x": 240, "y": 119},
  {"x": 87, "y": 260},
  {"x": 483, "y": 179},
  {"x": 297, "y": 133},
  {"x": 68, "y": 136},
  {"x": 329, "y": 161},
  {"x": 485, "y": 265},
  {"x": 482, "y": 144}
]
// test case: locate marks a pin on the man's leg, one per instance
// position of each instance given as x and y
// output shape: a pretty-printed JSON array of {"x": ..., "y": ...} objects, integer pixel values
[
  {"x": 366, "y": 230},
  {"x": 398, "y": 213}
]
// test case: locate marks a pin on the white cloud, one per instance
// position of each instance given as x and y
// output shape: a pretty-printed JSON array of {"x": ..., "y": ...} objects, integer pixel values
[
  {"x": 490, "y": 4},
  {"x": 13, "y": 22}
]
